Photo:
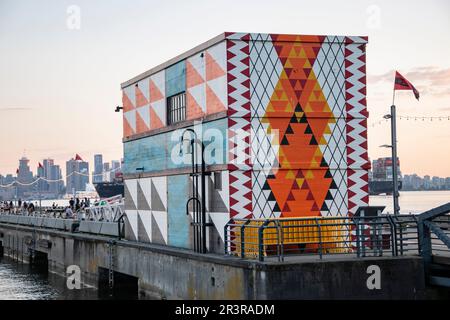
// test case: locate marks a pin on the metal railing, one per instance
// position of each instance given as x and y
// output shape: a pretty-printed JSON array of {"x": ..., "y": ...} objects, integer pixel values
[
  {"x": 106, "y": 210},
  {"x": 434, "y": 231},
  {"x": 321, "y": 236}
]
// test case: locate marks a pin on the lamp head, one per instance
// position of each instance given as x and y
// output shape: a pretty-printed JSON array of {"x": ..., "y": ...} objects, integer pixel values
[{"x": 185, "y": 146}]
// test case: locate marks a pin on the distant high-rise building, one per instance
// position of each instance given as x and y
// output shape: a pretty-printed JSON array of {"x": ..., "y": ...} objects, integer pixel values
[
  {"x": 24, "y": 176},
  {"x": 98, "y": 169},
  {"x": 7, "y": 193},
  {"x": 115, "y": 169},
  {"x": 53, "y": 182},
  {"x": 42, "y": 185},
  {"x": 106, "y": 172},
  {"x": 77, "y": 175}
]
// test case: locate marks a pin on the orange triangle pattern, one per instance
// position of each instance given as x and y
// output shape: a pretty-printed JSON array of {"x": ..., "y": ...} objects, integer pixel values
[
  {"x": 155, "y": 121},
  {"x": 140, "y": 124},
  {"x": 193, "y": 78},
  {"x": 213, "y": 70},
  {"x": 127, "y": 130},
  {"x": 193, "y": 109},
  {"x": 213, "y": 103},
  {"x": 302, "y": 183},
  {"x": 126, "y": 103},
  {"x": 141, "y": 100},
  {"x": 155, "y": 93}
]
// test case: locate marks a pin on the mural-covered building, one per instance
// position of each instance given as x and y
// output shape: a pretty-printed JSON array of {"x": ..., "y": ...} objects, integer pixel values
[{"x": 284, "y": 122}]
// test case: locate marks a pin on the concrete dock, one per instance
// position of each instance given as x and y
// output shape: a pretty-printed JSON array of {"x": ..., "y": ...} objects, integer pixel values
[{"x": 163, "y": 272}]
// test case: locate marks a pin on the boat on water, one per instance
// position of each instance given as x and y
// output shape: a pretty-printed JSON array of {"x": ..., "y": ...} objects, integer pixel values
[
  {"x": 111, "y": 189},
  {"x": 380, "y": 177}
]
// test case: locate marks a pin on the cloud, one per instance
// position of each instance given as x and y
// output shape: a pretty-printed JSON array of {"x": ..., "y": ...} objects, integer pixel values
[
  {"x": 429, "y": 80},
  {"x": 15, "y": 108}
]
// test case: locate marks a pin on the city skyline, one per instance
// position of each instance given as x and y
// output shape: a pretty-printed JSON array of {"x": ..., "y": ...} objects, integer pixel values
[
  {"x": 48, "y": 170},
  {"x": 114, "y": 167},
  {"x": 75, "y": 103}
]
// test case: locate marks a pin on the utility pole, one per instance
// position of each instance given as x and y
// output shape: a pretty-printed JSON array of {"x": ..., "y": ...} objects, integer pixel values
[{"x": 394, "y": 159}]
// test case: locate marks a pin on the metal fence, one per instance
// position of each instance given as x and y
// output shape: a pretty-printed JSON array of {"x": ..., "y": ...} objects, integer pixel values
[
  {"x": 105, "y": 210},
  {"x": 320, "y": 236}
]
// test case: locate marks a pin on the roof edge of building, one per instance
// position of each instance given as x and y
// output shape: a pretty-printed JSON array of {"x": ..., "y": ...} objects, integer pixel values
[
  {"x": 234, "y": 36},
  {"x": 180, "y": 57}
]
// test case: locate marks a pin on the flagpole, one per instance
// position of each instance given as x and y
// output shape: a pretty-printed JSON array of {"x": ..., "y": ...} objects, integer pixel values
[
  {"x": 393, "y": 97},
  {"x": 394, "y": 156}
]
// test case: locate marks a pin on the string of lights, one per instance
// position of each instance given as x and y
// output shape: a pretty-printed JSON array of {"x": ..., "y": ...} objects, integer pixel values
[
  {"x": 50, "y": 181},
  {"x": 412, "y": 118}
]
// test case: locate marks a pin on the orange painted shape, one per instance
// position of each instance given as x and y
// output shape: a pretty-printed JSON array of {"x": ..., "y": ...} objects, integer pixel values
[
  {"x": 213, "y": 103},
  {"x": 193, "y": 78},
  {"x": 155, "y": 121},
  {"x": 140, "y": 124},
  {"x": 318, "y": 127},
  {"x": 126, "y": 103},
  {"x": 140, "y": 98},
  {"x": 127, "y": 130},
  {"x": 280, "y": 188},
  {"x": 193, "y": 109},
  {"x": 155, "y": 93},
  {"x": 213, "y": 70}
]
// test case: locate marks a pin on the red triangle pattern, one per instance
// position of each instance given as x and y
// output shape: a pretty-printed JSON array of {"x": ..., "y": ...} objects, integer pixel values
[
  {"x": 193, "y": 108},
  {"x": 213, "y": 70},
  {"x": 193, "y": 78},
  {"x": 126, "y": 102},
  {"x": 213, "y": 103},
  {"x": 155, "y": 93},
  {"x": 141, "y": 100},
  {"x": 140, "y": 124},
  {"x": 155, "y": 121},
  {"x": 127, "y": 130}
]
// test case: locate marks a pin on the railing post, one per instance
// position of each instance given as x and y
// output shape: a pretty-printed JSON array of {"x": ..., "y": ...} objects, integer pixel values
[
  {"x": 320, "y": 237},
  {"x": 280, "y": 235},
  {"x": 393, "y": 228},
  {"x": 425, "y": 244},
  {"x": 225, "y": 238},
  {"x": 358, "y": 240},
  {"x": 243, "y": 238},
  {"x": 401, "y": 239},
  {"x": 261, "y": 241}
]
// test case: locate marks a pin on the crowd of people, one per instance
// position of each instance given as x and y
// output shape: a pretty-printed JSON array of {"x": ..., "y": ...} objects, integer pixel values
[
  {"x": 24, "y": 206},
  {"x": 75, "y": 207}
]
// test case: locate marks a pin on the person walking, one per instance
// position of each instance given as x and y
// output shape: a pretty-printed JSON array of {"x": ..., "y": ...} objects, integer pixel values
[
  {"x": 69, "y": 213},
  {"x": 77, "y": 204},
  {"x": 71, "y": 203},
  {"x": 31, "y": 208}
]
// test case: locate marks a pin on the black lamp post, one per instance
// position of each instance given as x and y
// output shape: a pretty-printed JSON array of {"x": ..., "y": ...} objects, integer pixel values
[{"x": 199, "y": 235}]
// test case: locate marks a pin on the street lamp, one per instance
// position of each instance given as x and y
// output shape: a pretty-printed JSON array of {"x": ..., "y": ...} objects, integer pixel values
[
  {"x": 188, "y": 146},
  {"x": 393, "y": 147},
  {"x": 118, "y": 109}
]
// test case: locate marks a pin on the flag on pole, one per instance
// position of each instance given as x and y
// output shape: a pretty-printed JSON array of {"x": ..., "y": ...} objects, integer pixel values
[
  {"x": 402, "y": 84},
  {"x": 77, "y": 157}
]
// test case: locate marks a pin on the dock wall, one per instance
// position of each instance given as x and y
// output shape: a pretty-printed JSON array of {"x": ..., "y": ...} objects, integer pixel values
[{"x": 171, "y": 273}]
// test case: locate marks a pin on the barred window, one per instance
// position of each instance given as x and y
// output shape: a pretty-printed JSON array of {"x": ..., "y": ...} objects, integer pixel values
[{"x": 176, "y": 108}]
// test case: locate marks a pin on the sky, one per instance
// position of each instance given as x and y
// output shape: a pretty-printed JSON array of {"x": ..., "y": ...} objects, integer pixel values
[{"x": 60, "y": 76}]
